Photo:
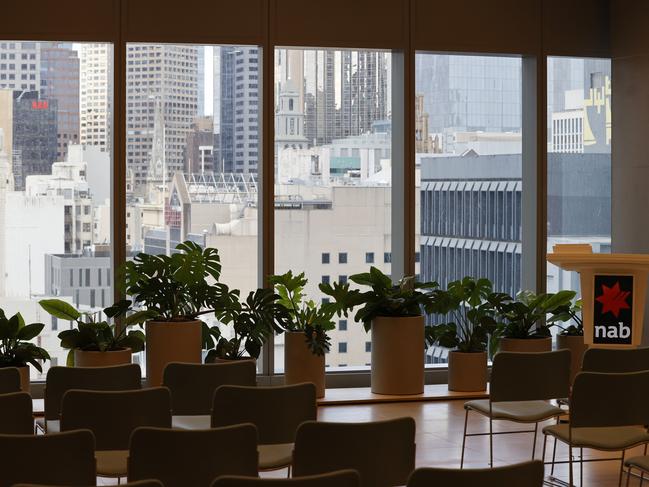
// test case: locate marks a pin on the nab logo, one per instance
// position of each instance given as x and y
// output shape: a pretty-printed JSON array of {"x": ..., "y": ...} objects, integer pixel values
[{"x": 613, "y": 313}]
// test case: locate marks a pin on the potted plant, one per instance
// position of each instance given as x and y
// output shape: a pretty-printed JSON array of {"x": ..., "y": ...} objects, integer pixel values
[
  {"x": 394, "y": 314},
  {"x": 524, "y": 327},
  {"x": 176, "y": 290},
  {"x": 305, "y": 339},
  {"x": 252, "y": 321},
  {"x": 571, "y": 336},
  {"x": 469, "y": 307},
  {"x": 15, "y": 348},
  {"x": 95, "y": 343}
]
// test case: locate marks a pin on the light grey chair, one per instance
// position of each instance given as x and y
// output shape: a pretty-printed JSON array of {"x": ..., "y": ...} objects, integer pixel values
[
  {"x": 112, "y": 416},
  {"x": 9, "y": 380},
  {"x": 59, "y": 380},
  {"x": 16, "y": 414},
  {"x": 340, "y": 478},
  {"x": 182, "y": 458},
  {"x": 275, "y": 411},
  {"x": 62, "y": 459},
  {"x": 608, "y": 412},
  {"x": 520, "y": 390},
  {"x": 192, "y": 388},
  {"x": 382, "y": 452},
  {"x": 529, "y": 474}
]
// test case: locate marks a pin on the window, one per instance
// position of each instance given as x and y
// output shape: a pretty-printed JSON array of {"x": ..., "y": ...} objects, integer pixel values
[
  {"x": 333, "y": 153},
  {"x": 369, "y": 257},
  {"x": 342, "y": 347},
  {"x": 342, "y": 325},
  {"x": 342, "y": 279},
  {"x": 368, "y": 347},
  {"x": 325, "y": 280},
  {"x": 387, "y": 257}
]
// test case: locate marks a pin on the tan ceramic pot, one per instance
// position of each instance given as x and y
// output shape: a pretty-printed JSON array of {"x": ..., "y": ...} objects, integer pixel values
[
  {"x": 84, "y": 358},
  {"x": 398, "y": 355},
  {"x": 24, "y": 378},
  {"x": 300, "y": 364},
  {"x": 577, "y": 348},
  {"x": 467, "y": 372},
  {"x": 171, "y": 342},
  {"x": 526, "y": 344}
]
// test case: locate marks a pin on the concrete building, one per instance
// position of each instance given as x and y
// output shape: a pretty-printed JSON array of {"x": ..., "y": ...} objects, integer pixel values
[
  {"x": 96, "y": 95},
  {"x": 20, "y": 65},
  {"x": 200, "y": 151},
  {"x": 289, "y": 119},
  {"x": 60, "y": 81}
]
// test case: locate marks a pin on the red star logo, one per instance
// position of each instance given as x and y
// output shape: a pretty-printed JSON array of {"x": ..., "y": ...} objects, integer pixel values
[{"x": 613, "y": 299}]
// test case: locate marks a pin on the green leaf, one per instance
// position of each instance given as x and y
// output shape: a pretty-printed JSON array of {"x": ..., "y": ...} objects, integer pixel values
[
  {"x": 60, "y": 309},
  {"x": 28, "y": 332}
]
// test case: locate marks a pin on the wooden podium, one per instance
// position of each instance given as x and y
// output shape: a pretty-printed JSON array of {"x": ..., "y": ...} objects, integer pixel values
[{"x": 613, "y": 289}]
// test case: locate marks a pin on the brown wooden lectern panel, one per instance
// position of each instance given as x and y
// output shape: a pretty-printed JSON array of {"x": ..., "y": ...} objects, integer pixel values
[{"x": 613, "y": 290}]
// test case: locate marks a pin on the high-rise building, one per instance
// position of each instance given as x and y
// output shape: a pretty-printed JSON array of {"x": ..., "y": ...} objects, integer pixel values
[
  {"x": 289, "y": 119},
  {"x": 200, "y": 147},
  {"x": 162, "y": 79},
  {"x": 239, "y": 106},
  {"x": 34, "y": 136},
  {"x": 96, "y": 95},
  {"x": 20, "y": 65},
  {"x": 60, "y": 81}
]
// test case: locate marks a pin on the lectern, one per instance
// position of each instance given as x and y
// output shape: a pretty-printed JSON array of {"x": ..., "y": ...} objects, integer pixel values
[{"x": 613, "y": 290}]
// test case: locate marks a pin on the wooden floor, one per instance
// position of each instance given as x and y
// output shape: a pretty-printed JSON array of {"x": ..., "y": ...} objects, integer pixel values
[{"x": 439, "y": 439}]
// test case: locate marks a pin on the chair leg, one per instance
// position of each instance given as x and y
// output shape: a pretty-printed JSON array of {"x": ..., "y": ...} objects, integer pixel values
[
  {"x": 288, "y": 472},
  {"x": 536, "y": 430},
  {"x": 642, "y": 471},
  {"x": 570, "y": 479},
  {"x": 581, "y": 467},
  {"x": 621, "y": 468},
  {"x": 491, "y": 443},
  {"x": 554, "y": 456},
  {"x": 628, "y": 477},
  {"x": 466, "y": 420},
  {"x": 545, "y": 444}
]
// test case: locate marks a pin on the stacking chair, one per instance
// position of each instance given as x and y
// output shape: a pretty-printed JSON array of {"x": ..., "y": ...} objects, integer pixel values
[
  {"x": 9, "y": 380},
  {"x": 521, "y": 387},
  {"x": 529, "y": 474},
  {"x": 62, "y": 459},
  {"x": 615, "y": 361},
  {"x": 143, "y": 483},
  {"x": 608, "y": 412},
  {"x": 192, "y": 388},
  {"x": 275, "y": 411},
  {"x": 16, "y": 414},
  {"x": 341, "y": 478},
  {"x": 382, "y": 452},
  {"x": 182, "y": 458},
  {"x": 112, "y": 416},
  {"x": 61, "y": 379}
]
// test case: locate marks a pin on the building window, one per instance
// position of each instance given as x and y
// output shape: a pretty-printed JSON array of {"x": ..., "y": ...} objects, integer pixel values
[
  {"x": 342, "y": 257},
  {"x": 369, "y": 257},
  {"x": 342, "y": 325},
  {"x": 342, "y": 279},
  {"x": 87, "y": 277},
  {"x": 387, "y": 257},
  {"x": 325, "y": 258},
  {"x": 55, "y": 323},
  {"x": 325, "y": 301},
  {"x": 342, "y": 347},
  {"x": 368, "y": 346},
  {"x": 325, "y": 280}
]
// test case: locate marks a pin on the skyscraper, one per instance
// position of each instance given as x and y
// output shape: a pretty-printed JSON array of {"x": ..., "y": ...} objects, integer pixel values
[
  {"x": 96, "y": 95},
  {"x": 20, "y": 65}
]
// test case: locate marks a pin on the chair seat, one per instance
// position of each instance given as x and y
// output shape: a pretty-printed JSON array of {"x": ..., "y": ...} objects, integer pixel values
[
  {"x": 112, "y": 463},
  {"x": 191, "y": 422},
  {"x": 641, "y": 462},
  {"x": 521, "y": 411},
  {"x": 275, "y": 456},
  {"x": 609, "y": 438}
]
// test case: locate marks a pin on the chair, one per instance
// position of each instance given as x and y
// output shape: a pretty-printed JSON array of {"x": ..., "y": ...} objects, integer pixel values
[
  {"x": 382, "y": 452},
  {"x": 181, "y": 458},
  {"x": 62, "y": 459},
  {"x": 341, "y": 478},
  {"x": 528, "y": 474},
  {"x": 521, "y": 386},
  {"x": 112, "y": 416},
  {"x": 16, "y": 414},
  {"x": 61, "y": 379},
  {"x": 192, "y": 388},
  {"x": 608, "y": 412},
  {"x": 615, "y": 361},
  {"x": 142, "y": 483},
  {"x": 9, "y": 380},
  {"x": 275, "y": 411}
]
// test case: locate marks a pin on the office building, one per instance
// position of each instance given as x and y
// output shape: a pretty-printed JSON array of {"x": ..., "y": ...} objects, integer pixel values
[{"x": 96, "y": 95}]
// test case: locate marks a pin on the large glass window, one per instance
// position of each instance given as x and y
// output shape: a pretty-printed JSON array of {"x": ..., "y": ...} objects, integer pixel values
[
  {"x": 468, "y": 170},
  {"x": 55, "y": 170},
  {"x": 332, "y": 174},
  {"x": 193, "y": 151},
  {"x": 579, "y": 159}
]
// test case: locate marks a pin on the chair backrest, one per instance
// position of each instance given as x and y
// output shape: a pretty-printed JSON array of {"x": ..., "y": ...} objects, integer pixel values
[
  {"x": 61, "y": 379},
  {"x": 615, "y": 361},
  {"x": 382, "y": 452},
  {"x": 58, "y": 458},
  {"x": 9, "y": 380},
  {"x": 529, "y": 474},
  {"x": 180, "y": 458},
  {"x": 192, "y": 386},
  {"x": 600, "y": 400},
  {"x": 530, "y": 376},
  {"x": 340, "y": 478},
  {"x": 113, "y": 415},
  {"x": 143, "y": 483},
  {"x": 275, "y": 411},
  {"x": 16, "y": 414}
]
